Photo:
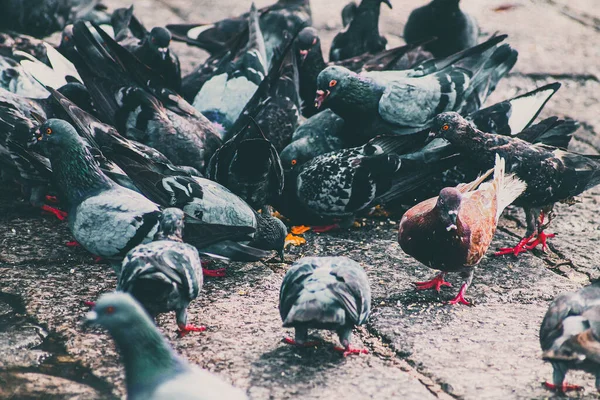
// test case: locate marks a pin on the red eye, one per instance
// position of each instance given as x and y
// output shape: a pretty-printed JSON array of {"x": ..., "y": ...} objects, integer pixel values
[
  {"x": 445, "y": 127},
  {"x": 110, "y": 310},
  {"x": 332, "y": 83},
  {"x": 294, "y": 162},
  {"x": 48, "y": 131}
]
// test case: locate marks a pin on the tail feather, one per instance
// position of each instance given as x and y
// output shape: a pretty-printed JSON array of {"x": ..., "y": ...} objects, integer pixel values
[{"x": 508, "y": 187}]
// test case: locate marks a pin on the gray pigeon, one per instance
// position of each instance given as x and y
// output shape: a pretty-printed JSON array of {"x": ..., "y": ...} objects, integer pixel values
[
  {"x": 152, "y": 369},
  {"x": 570, "y": 336},
  {"x": 165, "y": 275},
  {"x": 108, "y": 220},
  {"x": 325, "y": 293}
]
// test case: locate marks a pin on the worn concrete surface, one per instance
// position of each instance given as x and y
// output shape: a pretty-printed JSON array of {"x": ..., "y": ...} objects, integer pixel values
[{"x": 419, "y": 347}]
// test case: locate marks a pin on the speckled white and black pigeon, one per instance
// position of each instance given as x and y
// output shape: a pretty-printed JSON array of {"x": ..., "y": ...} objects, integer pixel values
[
  {"x": 394, "y": 102},
  {"x": 454, "y": 29},
  {"x": 570, "y": 336},
  {"x": 108, "y": 220},
  {"x": 166, "y": 274},
  {"x": 153, "y": 371},
  {"x": 223, "y": 97},
  {"x": 362, "y": 33},
  {"x": 330, "y": 293}
]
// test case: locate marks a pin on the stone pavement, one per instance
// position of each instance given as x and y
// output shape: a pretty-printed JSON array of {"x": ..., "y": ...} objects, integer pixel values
[{"x": 419, "y": 347}]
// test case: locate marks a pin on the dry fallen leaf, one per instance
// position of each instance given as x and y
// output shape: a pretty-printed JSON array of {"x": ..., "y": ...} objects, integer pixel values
[
  {"x": 300, "y": 229},
  {"x": 293, "y": 240}
]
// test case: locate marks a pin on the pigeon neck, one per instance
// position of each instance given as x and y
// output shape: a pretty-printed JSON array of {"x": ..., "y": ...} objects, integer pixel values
[
  {"x": 146, "y": 356},
  {"x": 313, "y": 65},
  {"x": 76, "y": 172},
  {"x": 359, "y": 96}
]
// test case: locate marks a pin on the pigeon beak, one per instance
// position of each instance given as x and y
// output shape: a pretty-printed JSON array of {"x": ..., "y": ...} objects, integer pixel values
[
  {"x": 453, "y": 215},
  {"x": 304, "y": 53},
  {"x": 163, "y": 52},
  {"x": 321, "y": 96},
  {"x": 90, "y": 318},
  {"x": 388, "y": 3}
]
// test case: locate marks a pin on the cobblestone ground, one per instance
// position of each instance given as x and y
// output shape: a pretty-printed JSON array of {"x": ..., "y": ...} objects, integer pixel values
[{"x": 419, "y": 348}]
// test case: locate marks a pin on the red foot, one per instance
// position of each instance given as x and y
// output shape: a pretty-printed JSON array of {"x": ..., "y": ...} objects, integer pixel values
[
  {"x": 566, "y": 387},
  {"x": 460, "y": 297},
  {"x": 527, "y": 243},
  {"x": 324, "y": 228},
  {"x": 215, "y": 273},
  {"x": 350, "y": 350},
  {"x": 73, "y": 243},
  {"x": 61, "y": 215},
  {"x": 89, "y": 303},
  {"x": 541, "y": 239},
  {"x": 51, "y": 199},
  {"x": 292, "y": 342},
  {"x": 436, "y": 283},
  {"x": 185, "y": 329},
  {"x": 98, "y": 259}
]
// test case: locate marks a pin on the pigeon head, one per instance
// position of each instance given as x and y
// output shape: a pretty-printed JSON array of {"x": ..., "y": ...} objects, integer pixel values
[
  {"x": 56, "y": 133},
  {"x": 441, "y": 5},
  {"x": 448, "y": 125},
  {"x": 270, "y": 235},
  {"x": 66, "y": 38},
  {"x": 307, "y": 42},
  {"x": 331, "y": 81},
  {"x": 159, "y": 41},
  {"x": 171, "y": 225},
  {"x": 297, "y": 153},
  {"x": 78, "y": 94},
  {"x": 448, "y": 205},
  {"x": 116, "y": 312}
]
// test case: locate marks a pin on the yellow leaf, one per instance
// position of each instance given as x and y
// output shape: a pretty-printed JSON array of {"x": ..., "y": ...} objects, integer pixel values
[
  {"x": 293, "y": 240},
  {"x": 300, "y": 229}
]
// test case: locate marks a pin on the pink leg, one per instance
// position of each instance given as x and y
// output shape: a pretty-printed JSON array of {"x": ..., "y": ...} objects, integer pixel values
[
  {"x": 215, "y": 273},
  {"x": 460, "y": 297},
  {"x": 185, "y": 329},
  {"x": 324, "y": 228},
  {"x": 566, "y": 387},
  {"x": 436, "y": 283},
  {"x": 89, "y": 303},
  {"x": 73, "y": 243},
  {"x": 61, "y": 215},
  {"x": 346, "y": 351},
  {"x": 521, "y": 247},
  {"x": 541, "y": 239},
  {"x": 98, "y": 259},
  {"x": 292, "y": 342},
  {"x": 51, "y": 199}
]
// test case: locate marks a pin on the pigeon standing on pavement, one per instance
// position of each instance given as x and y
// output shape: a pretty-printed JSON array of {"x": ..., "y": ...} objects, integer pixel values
[
  {"x": 551, "y": 174},
  {"x": 454, "y": 29},
  {"x": 152, "y": 369},
  {"x": 325, "y": 293},
  {"x": 453, "y": 231},
  {"x": 108, "y": 220},
  {"x": 570, "y": 336},
  {"x": 362, "y": 33},
  {"x": 166, "y": 274}
]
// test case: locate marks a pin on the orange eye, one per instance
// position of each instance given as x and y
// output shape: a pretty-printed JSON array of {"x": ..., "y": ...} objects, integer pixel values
[
  {"x": 110, "y": 310},
  {"x": 445, "y": 127},
  {"x": 314, "y": 41},
  {"x": 294, "y": 162},
  {"x": 332, "y": 83},
  {"x": 48, "y": 131}
]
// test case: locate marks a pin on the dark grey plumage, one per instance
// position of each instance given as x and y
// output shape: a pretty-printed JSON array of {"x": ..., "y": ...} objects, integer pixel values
[
  {"x": 570, "y": 334},
  {"x": 454, "y": 29},
  {"x": 152, "y": 369},
  {"x": 325, "y": 293},
  {"x": 362, "y": 33},
  {"x": 166, "y": 274}
]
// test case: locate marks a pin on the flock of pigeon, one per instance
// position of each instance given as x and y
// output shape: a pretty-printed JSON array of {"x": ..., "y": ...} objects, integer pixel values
[{"x": 153, "y": 170}]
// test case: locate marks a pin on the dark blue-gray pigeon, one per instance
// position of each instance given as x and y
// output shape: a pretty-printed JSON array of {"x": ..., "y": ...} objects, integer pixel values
[
  {"x": 166, "y": 274},
  {"x": 330, "y": 293},
  {"x": 570, "y": 336},
  {"x": 153, "y": 371}
]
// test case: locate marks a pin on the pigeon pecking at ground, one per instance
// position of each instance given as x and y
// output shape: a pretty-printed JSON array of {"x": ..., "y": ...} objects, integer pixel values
[
  {"x": 152, "y": 369},
  {"x": 551, "y": 174},
  {"x": 325, "y": 293},
  {"x": 453, "y": 29},
  {"x": 166, "y": 274},
  {"x": 453, "y": 231},
  {"x": 570, "y": 336}
]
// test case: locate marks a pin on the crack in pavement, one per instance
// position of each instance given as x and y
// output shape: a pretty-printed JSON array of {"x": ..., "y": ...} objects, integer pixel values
[
  {"x": 582, "y": 18},
  {"x": 555, "y": 76}
]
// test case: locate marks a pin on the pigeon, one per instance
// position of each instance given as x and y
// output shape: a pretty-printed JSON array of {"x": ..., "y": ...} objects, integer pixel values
[
  {"x": 452, "y": 232},
  {"x": 552, "y": 174},
  {"x": 217, "y": 221},
  {"x": 223, "y": 97},
  {"x": 15, "y": 79},
  {"x": 397, "y": 103},
  {"x": 134, "y": 101},
  {"x": 152, "y": 369},
  {"x": 330, "y": 293},
  {"x": 570, "y": 336},
  {"x": 275, "y": 20},
  {"x": 362, "y": 33},
  {"x": 454, "y": 29},
  {"x": 249, "y": 166},
  {"x": 166, "y": 274},
  {"x": 12, "y": 41},
  {"x": 311, "y": 63},
  {"x": 348, "y": 13},
  {"x": 108, "y": 220},
  {"x": 151, "y": 48},
  {"x": 322, "y": 133}
]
